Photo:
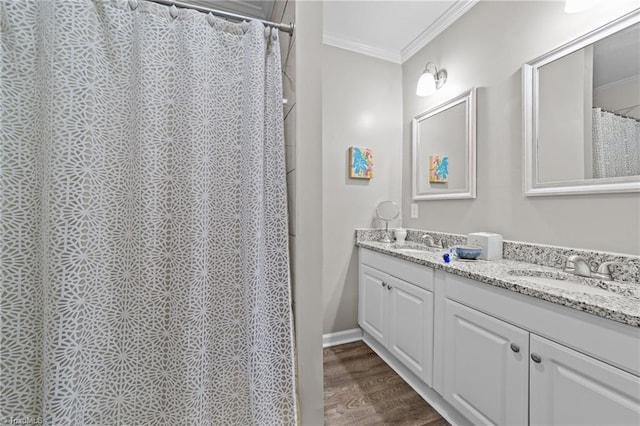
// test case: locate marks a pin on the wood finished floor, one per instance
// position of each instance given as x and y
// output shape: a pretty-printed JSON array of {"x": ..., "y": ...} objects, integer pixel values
[{"x": 360, "y": 389}]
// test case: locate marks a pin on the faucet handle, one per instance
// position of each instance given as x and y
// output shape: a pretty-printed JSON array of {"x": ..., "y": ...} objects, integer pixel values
[
  {"x": 573, "y": 259},
  {"x": 604, "y": 266},
  {"x": 604, "y": 271},
  {"x": 429, "y": 240},
  {"x": 569, "y": 262},
  {"x": 578, "y": 265}
]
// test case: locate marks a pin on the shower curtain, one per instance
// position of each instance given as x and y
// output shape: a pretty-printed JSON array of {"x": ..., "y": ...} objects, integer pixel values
[
  {"x": 145, "y": 275},
  {"x": 616, "y": 145}
]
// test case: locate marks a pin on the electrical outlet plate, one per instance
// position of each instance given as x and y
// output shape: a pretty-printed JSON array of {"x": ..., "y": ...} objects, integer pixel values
[{"x": 414, "y": 211}]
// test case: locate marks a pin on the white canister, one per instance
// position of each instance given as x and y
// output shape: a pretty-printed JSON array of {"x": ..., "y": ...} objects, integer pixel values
[
  {"x": 491, "y": 244},
  {"x": 400, "y": 235}
]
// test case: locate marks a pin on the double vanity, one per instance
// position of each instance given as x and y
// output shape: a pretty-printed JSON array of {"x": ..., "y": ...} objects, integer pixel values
[
  {"x": 544, "y": 335},
  {"x": 505, "y": 342}
]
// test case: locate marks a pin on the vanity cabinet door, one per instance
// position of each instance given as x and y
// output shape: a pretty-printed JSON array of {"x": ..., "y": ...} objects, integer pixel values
[
  {"x": 410, "y": 336},
  {"x": 570, "y": 388},
  {"x": 372, "y": 302},
  {"x": 486, "y": 364}
]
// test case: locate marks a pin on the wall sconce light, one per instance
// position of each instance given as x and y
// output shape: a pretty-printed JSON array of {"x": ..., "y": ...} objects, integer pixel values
[
  {"x": 575, "y": 6},
  {"x": 430, "y": 81}
]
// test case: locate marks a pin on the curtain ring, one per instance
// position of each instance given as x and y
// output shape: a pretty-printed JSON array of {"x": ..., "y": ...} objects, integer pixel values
[
  {"x": 173, "y": 11},
  {"x": 211, "y": 19}
]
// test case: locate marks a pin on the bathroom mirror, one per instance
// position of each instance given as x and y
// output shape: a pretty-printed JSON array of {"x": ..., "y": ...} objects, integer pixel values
[
  {"x": 444, "y": 150},
  {"x": 387, "y": 211},
  {"x": 582, "y": 114}
]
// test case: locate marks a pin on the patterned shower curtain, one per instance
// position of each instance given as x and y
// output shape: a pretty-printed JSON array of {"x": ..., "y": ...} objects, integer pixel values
[
  {"x": 616, "y": 145},
  {"x": 145, "y": 275}
]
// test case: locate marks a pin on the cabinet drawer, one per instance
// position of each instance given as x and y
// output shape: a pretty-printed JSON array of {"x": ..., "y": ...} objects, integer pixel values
[{"x": 419, "y": 275}]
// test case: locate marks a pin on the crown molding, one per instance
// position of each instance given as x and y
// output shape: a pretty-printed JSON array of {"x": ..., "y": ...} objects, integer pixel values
[
  {"x": 438, "y": 26},
  {"x": 361, "y": 48},
  {"x": 442, "y": 23}
]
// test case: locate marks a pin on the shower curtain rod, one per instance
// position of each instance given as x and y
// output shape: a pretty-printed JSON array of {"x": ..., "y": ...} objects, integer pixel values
[
  {"x": 287, "y": 28},
  {"x": 617, "y": 114}
]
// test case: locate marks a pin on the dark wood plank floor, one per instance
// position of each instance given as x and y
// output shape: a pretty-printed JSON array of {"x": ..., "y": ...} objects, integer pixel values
[{"x": 360, "y": 389}]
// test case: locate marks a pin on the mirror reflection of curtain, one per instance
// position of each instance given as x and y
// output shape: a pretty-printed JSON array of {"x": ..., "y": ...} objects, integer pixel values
[{"x": 616, "y": 145}]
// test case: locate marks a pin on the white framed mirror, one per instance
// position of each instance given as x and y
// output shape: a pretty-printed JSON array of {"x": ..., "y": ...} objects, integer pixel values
[
  {"x": 582, "y": 114},
  {"x": 444, "y": 150}
]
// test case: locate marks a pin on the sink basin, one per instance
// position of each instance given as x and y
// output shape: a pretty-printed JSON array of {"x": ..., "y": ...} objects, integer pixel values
[
  {"x": 414, "y": 248},
  {"x": 569, "y": 286},
  {"x": 561, "y": 281}
]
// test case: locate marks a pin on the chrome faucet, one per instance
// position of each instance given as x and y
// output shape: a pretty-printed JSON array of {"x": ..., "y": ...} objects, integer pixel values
[
  {"x": 577, "y": 265},
  {"x": 603, "y": 272},
  {"x": 428, "y": 240}
]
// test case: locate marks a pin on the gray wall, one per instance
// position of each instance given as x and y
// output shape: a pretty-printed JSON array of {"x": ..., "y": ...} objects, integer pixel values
[
  {"x": 486, "y": 48},
  {"x": 563, "y": 110},
  {"x": 284, "y": 11},
  {"x": 303, "y": 139},
  {"x": 361, "y": 106}
]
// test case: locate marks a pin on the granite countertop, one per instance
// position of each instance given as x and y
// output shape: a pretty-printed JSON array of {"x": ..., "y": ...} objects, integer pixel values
[{"x": 621, "y": 301}]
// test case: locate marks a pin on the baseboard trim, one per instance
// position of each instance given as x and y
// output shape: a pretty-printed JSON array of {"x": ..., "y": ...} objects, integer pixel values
[
  {"x": 434, "y": 399},
  {"x": 341, "y": 337}
]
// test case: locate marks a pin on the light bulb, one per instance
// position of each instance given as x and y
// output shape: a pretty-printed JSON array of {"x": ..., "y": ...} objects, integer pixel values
[{"x": 426, "y": 84}]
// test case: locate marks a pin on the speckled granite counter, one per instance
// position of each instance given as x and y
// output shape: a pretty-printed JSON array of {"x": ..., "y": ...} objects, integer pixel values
[{"x": 621, "y": 301}]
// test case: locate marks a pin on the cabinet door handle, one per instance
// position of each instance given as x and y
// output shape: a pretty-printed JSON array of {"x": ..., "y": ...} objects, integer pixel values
[
  {"x": 384, "y": 284},
  {"x": 536, "y": 358},
  {"x": 515, "y": 348}
]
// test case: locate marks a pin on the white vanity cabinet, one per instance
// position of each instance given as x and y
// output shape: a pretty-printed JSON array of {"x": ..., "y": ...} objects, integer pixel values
[
  {"x": 396, "y": 308},
  {"x": 481, "y": 354},
  {"x": 497, "y": 372}
]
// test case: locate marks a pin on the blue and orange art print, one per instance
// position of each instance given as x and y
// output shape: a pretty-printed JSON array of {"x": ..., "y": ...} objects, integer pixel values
[
  {"x": 360, "y": 163},
  {"x": 438, "y": 169}
]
